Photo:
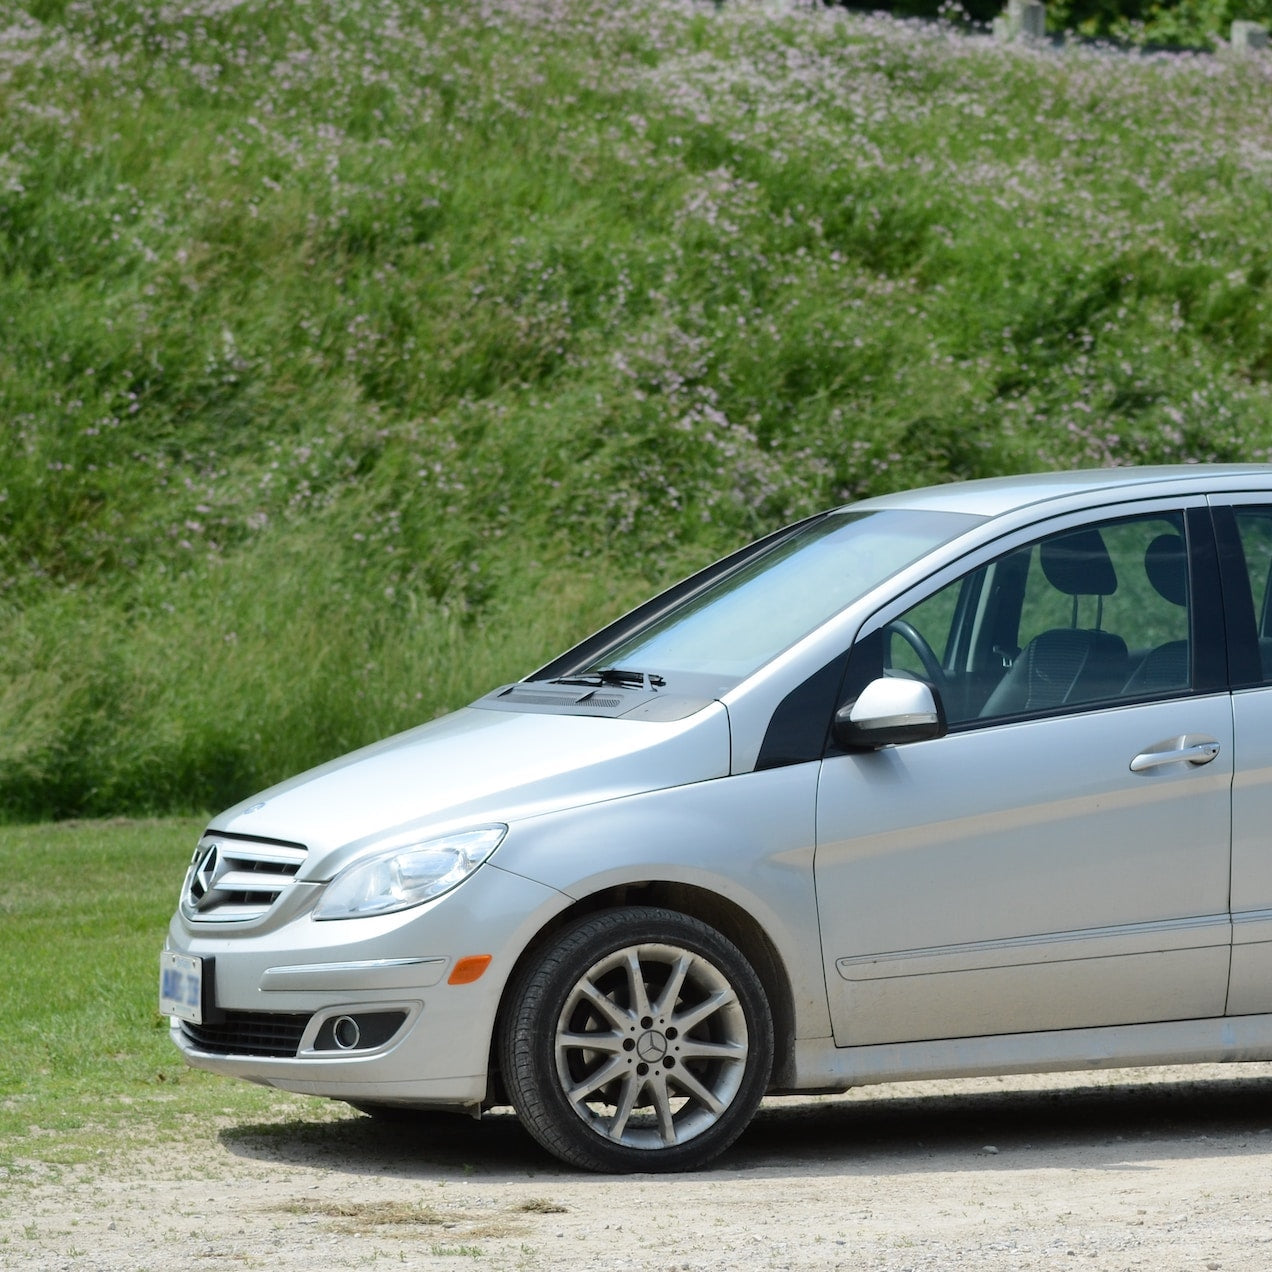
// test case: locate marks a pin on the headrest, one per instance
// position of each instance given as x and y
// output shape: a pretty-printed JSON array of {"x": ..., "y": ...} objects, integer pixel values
[
  {"x": 1078, "y": 564},
  {"x": 1166, "y": 564}
]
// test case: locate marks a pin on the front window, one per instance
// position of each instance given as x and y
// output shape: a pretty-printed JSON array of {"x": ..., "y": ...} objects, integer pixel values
[
  {"x": 746, "y": 617},
  {"x": 1097, "y": 613}
]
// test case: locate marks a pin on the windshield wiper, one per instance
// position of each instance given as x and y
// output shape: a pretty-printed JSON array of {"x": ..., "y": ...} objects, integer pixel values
[{"x": 612, "y": 676}]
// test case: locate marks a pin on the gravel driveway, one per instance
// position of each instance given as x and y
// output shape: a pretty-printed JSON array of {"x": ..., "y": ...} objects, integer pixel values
[{"x": 1163, "y": 1169}]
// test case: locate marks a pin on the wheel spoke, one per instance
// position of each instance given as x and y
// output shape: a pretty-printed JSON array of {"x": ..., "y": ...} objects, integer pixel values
[
  {"x": 595, "y": 1080},
  {"x": 636, "y": 984},
  {"x": 692, "y": 1087},
  {"x": 666, "y": 1003},
  {"x": 632, "y": 1086},
  {"x": 686, "y": 1020},
  {"x": 662, "y": 1108},
  {"x": 612, "y": 1012},
  {"x": 607, "y": 1041},
  {"x": 693, "y": 1049}
]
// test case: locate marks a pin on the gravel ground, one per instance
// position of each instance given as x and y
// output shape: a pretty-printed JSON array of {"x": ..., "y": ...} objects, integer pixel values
[{"x": 1163, "y": 1169}]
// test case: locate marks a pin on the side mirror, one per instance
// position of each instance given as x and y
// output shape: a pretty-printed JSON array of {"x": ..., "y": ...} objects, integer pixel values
[{"x": 888, "y": 712}]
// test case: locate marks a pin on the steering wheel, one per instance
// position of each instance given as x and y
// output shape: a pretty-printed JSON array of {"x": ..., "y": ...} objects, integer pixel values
[{"x": 932, "y": 668}]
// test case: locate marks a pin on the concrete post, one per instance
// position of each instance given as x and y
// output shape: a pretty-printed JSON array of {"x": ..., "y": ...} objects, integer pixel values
[
  {"x": 1249, "y": 37},
  {"x": 1023, "y": 20}
]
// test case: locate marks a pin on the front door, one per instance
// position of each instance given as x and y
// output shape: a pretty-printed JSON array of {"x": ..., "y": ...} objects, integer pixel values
[{"x": 1060, "y": 859}]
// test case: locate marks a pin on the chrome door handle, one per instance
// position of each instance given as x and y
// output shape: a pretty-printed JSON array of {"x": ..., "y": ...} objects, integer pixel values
[{"x": 1196, "y": 753}]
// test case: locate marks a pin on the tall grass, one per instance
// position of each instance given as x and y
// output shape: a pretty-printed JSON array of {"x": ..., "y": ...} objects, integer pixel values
[{"x": 355, "y": 357}]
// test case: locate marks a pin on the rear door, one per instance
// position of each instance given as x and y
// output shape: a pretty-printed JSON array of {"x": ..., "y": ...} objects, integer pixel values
[{"x": 1244, "y": 525}]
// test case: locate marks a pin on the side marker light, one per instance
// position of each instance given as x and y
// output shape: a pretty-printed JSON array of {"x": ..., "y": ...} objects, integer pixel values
[{"x": 469, "y": 969}]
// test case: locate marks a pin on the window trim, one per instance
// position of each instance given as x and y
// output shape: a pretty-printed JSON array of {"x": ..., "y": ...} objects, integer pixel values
[{"x": 1209, "y": 620}]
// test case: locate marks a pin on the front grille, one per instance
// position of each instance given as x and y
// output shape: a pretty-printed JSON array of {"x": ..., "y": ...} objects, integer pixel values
[
  {"x": 232, "y": 880},
  {"x": 249, "y": 1033}
]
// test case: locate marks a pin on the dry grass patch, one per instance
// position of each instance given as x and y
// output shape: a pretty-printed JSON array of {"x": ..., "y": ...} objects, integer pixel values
[
  {"x": 361, "y": 1217},
  {"x": 543, "y": 1206}
]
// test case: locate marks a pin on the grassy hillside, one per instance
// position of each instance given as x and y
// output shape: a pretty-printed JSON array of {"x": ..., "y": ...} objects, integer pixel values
[{"x": 357, "y": 356}]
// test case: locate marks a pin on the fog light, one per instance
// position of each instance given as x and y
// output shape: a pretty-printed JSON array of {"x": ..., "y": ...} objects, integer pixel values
[
  {"x": 346, "y": 1033},
  {"x": 362, "y": 1032}
]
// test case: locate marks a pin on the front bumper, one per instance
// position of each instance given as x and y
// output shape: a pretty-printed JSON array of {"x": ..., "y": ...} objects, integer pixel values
[{"x": 285, "y": 1001}]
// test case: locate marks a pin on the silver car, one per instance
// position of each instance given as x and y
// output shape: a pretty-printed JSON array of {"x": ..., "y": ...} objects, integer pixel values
[{"x": 974, "y": 779}]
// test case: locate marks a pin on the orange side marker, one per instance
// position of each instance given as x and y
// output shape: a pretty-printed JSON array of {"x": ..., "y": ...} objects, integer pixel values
[{"x": 469, "y": 969}]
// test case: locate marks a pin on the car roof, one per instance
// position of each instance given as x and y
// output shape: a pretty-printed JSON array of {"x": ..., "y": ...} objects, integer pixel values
[{"x": 995, "y": 496}]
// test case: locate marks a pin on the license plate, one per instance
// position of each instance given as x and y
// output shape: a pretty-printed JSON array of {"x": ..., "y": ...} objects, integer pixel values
[{"x": 181, "y": 986}]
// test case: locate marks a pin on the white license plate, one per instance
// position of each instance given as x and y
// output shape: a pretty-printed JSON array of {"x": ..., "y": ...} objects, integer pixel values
[{"x": 181, "y": 986}]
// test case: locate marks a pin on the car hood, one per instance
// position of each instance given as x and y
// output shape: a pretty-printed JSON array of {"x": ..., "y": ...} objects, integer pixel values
[{"x": 474, "y": 767}]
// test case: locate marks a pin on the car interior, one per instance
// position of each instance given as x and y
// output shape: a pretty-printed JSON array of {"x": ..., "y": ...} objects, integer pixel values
[{"x": 1089, "y": 615}]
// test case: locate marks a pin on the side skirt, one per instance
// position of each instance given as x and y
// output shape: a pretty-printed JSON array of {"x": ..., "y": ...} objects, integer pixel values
[{"x": 821, "y": 1066}]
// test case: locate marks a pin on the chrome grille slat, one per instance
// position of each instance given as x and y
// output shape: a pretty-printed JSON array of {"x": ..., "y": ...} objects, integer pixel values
[
  {"x": 274, "y": 854},
  {"x": 252, "y": 881},
  {"x": 231, "y": 912},
  {"x": 234, "y": 880}
]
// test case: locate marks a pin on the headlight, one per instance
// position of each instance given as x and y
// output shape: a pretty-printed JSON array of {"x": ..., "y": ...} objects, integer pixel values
[{"x": 407, "y": 876}]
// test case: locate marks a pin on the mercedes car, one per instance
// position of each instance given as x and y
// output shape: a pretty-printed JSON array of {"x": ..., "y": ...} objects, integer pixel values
[{"x": 975, "y": 779}]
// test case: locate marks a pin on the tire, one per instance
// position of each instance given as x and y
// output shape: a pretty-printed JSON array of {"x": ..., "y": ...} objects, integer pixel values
[{"x": 641, "y": 1040}]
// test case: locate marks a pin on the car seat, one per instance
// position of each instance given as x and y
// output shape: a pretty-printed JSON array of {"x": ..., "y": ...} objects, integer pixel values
[
  {"x": 1067, "y": 664},
  {"x": 1166, "y": 666}
]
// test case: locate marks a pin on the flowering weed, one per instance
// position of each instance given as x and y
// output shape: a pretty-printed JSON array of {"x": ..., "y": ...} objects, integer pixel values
[{"x": 334, "y": 337}]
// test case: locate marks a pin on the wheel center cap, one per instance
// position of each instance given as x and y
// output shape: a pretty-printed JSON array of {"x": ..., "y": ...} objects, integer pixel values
[{"x": 651, "y": 1046}]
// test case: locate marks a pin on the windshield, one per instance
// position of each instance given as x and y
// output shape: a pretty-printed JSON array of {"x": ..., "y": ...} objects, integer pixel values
[{"x": 747, "y": 617}]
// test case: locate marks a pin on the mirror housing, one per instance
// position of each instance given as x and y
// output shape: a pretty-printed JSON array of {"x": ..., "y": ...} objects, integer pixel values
[{"x": 890, "y": 711}]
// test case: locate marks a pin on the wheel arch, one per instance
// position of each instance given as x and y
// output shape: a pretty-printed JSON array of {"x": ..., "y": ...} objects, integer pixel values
[{"x": 726, "y": 916}]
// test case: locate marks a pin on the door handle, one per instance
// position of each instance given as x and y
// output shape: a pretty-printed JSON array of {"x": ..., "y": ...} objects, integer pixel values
[{"x": 1176, "y": 751}]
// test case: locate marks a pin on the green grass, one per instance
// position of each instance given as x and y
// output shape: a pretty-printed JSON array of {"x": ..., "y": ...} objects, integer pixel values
[
  {"x": 87, "y": 1069},
  {"x": 357, "y": 357}
]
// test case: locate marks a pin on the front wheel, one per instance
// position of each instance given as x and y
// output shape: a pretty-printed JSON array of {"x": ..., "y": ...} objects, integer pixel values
[{"x": 640, "y": 1041}]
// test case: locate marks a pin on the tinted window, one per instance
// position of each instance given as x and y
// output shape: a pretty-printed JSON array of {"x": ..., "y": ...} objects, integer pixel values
[
  {"x": 1254, "y": 527},
  {"x": 1087, "y": 615}
]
